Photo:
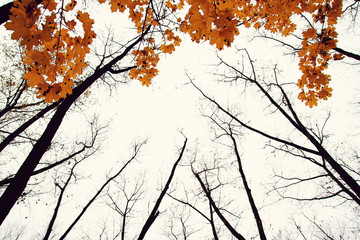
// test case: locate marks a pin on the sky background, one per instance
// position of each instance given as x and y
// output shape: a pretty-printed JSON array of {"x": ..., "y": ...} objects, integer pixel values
[{"x": 171, "y": 104}]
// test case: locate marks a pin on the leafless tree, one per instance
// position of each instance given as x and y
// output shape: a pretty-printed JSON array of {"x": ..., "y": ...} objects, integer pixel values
[
  {"x": 329, "y": 176},
  {"x": 41, "y": 144},
  {"x": 155, "y": 210},
  {"x": 317, "y": 155},
  {"x": 136, "y": 148},
  {"x": 122, "y": 200}
]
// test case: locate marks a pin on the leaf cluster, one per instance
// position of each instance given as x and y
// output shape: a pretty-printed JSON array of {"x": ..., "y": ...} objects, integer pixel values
[{"x": 54, "y": 51}]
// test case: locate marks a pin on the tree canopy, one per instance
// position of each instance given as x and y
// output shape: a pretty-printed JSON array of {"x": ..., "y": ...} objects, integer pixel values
[
  {"x": 56, "y": 37},
  {"x": 253, "y": 117}
]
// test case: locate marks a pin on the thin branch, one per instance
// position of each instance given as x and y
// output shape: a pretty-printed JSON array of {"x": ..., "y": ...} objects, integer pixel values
[
  {"x": 57, "y": 207},
  {"x": 136, "y": 151},
  {"x": 348, "y": 54},
  {"x": 191, "y": 206},
  {"x": 216, "y": 209},
  {"x": 8, "y": 179},
  {"x": 25, "y": 125},
  {"x": 254, "y": 129}
]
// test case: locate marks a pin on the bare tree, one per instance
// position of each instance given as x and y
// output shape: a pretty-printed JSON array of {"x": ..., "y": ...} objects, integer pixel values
[
  {"x": 131, "y": 197},
  {"x": 327, "y": 163},
  {"x": 137, "y": 147},
  {"x": 155, "y": 211},
  {"x": 328, "y": 175},
  {"x": 16, "y": 187}
]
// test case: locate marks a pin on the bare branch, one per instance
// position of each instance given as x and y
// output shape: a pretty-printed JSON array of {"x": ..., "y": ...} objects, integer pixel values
[{"x": 137, "y": 148}]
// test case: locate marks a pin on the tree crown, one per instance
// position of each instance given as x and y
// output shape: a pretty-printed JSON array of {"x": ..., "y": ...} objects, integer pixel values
[{"x": 55, "y": 43}]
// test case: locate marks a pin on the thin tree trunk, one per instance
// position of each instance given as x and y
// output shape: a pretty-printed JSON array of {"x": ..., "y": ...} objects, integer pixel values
[
  {"x": 123, "y": 227},
  {"x": 155, "y": 211},
  {"x": 216, "y": 209},
  {"x": 58, "y": 204},
  {"x": 212, "y": 223},
  {"x": 248, "y": 191}
]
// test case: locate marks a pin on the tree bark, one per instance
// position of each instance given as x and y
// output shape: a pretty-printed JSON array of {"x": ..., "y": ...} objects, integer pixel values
[
  {"x": 348, "y": 54},
  {"x": 216, "y": 209},
  {"x": 17, "y": 186},
  {"x": 155, "y": 211},
  {"x": 248, "y": 191},
  {"x": 5, "y": 11}
]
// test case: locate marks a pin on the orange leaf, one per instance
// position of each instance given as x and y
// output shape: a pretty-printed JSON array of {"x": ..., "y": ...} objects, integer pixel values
[
  {"x": 310, "y": 33},
  {"x": 70, "y": 6},
  {"x": 50, "y": 4},
  {"x": 167, "y": 48},
  {"x": 33, "y": 78},
  {"x": 71, "y": 24},
  {"x": 338, "y": 56},
  {"x": 53, "y": 93}
]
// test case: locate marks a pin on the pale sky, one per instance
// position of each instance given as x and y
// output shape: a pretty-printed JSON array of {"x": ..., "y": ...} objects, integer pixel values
[{"x": 171, "y": 104}]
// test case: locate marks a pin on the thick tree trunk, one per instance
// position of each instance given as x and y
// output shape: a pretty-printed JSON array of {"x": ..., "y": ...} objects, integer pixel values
[
  {"x": 5, "y": 11},
  {"x": 17, "y": 186}
]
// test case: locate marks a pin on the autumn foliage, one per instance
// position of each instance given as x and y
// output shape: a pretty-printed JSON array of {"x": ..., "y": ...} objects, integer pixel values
[
  {"x": 55, "y": 39},
  {"x": 52, "y": 54}
]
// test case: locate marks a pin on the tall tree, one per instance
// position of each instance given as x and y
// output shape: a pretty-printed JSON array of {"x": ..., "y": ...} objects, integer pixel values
[
  {"x": 56, "y": 42},
  {"x": 51, "y": 51}
]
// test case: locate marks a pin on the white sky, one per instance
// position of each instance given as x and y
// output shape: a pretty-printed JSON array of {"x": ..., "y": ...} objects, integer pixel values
[{"x": 169, "y": 104}]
